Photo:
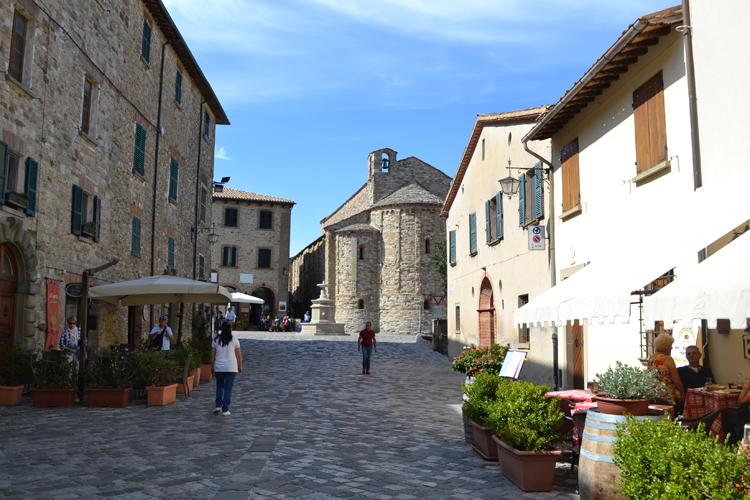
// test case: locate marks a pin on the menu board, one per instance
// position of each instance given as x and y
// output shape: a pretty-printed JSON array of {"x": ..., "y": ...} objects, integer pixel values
[{"x": 512, "y": 364}]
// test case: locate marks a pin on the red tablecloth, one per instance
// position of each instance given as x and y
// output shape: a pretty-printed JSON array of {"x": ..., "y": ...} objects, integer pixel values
[
  {"x": 699, "y": 402},
  {"x": 571, "y": 395}
]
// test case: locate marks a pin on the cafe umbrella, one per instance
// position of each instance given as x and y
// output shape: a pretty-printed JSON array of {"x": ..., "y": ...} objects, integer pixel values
[{"x": 162, "y": 289}]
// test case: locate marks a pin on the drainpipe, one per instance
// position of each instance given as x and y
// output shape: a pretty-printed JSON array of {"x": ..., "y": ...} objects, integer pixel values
[
  {"x": 552, "y": 265},
  {"x": 687, "y": 31},
  {"x": 156, "y": 170}
]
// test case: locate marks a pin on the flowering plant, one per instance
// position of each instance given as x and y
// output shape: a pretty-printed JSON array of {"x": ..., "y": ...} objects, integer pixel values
[{"x": 475, "y": 360}]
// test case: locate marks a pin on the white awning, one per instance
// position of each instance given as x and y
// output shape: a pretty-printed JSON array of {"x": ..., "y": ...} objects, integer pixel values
[
  {"x": 244, "y": 298},
  {"x": 162, "y": 289},
  {"x": 717, "y": 288}
]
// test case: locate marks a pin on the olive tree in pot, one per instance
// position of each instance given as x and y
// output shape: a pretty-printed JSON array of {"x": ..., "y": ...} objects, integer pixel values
[
  {"x": 627, "y": 389},
  {"x": 54, "y": 381},
  {"x": 110, "y": 379},
  {"x": 526, "y": 424},
  {"x": 481, "y": 394},
  {"x": 15, "y": 371},
  {"x": 159, "y": 373}
]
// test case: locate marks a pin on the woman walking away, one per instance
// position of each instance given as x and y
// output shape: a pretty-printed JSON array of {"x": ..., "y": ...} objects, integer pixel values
[{"x": 226, "y": 362}]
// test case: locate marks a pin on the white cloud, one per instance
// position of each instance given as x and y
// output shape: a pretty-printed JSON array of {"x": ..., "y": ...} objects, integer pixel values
[{"x": 221, "y": 154}]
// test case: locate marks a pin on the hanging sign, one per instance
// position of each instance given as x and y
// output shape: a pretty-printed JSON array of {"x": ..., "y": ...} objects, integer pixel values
[
  {"x": 53, "y": 315},
  {"x": 536, "y": 238},
  {"x": 73, "y": 290}
]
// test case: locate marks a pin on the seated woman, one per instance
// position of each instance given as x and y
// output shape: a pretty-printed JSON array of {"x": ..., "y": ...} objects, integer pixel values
[{"x": 665, "y": 366}]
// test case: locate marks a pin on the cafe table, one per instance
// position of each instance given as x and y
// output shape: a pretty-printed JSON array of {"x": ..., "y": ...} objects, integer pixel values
[{"x": 699, "y": 402}]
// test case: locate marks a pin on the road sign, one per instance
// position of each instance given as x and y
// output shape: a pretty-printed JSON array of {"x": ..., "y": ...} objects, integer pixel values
[{"x": 536, "y": 238}]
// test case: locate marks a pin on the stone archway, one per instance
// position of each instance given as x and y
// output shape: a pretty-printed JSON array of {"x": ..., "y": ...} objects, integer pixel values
[
  {"x": 268, "y": 308},
  {"x": 486, "y": 312}
]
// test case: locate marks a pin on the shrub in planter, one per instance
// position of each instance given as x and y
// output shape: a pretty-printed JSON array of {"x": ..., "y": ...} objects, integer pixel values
[
  {"x": 659, "y": 459},
  {"x": 54, "y": 381},
  {"x": 634, "y": 387},
  {"x": 475, "y": 360},
  {"x": 15, "y": 371},
  {"x": 158, "y": 372},
  {"x": 110, "y": 378},
  {"x": 481, "y": 395}
]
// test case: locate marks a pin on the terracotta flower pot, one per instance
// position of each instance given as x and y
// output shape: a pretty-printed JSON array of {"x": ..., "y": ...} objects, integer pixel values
[
  {"x": 529, "y": 470},
  {"x": 161, "y": 395},
  {"x": 611, "y": 406},
  {"x": 107, "y": 397},
  {"x": 206, "y": 372},
  {"x": 10, "y": 395},
  {"x": 181, "y": 387},
  {"x": 482, "y": 442},
  {"x": 197, "y": 377},
  {"x": 52, "y": 398}
]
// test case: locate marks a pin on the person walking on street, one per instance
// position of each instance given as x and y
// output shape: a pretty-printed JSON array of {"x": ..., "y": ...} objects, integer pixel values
[
  {"x": 226, "y": 363},
  {"x": 231, "y": 316},
  {"x": 366, "y": 344}
]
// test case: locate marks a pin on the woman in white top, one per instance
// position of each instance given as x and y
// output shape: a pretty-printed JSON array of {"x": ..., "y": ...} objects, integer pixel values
[{"x": 226, "y": 362}]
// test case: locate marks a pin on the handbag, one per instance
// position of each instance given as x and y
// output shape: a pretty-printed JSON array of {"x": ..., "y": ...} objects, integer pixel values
[{"x": 158, "y": 339}]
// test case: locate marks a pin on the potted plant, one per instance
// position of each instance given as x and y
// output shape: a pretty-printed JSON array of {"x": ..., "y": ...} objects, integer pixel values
[
  {"x": 181, "y": 356},
  {"x": 54, "y": 381},
  {"x": 481, "y": 394},
  {"x": 110, "y": 379},
  {"x": 202, "y": 348},
  {"x": 526, "y": 424},
  {"x": 627, "y": 389},
  {"x": 475, "y": 360},
  {"x": 14, "y": 372},
  {"x": 158, "y": 372}
]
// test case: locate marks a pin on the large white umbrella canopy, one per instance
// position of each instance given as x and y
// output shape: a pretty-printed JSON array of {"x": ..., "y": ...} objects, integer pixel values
[
  {"x": 246, "y": 299},
  {"x": 160, "y": 290}
]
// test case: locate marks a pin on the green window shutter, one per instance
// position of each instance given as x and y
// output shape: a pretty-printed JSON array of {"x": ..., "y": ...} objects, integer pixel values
[
  {"x": 32, "y": 169},
  {"x": 3, "y": 168},
  {"x": 488, "y": 221},
  {"x": 76, "y": 223},
  {"x": 97, "y": 217},
  {"x": 473, "y": 233},
  {"x": 170, "y": 253},
  {"x": 538, "y": 191},
  {"x": 146, "y": 41},
  {"x": 499, "y": 214},
  {"x": 452, "y": 247},
  {"x": 174, "y": 170},
  {"x": 136, "y": 237},
  {"x": 178, "y": 87},
  {"x": 522, "y": 201},
  {"x": 139, "y": 156}
]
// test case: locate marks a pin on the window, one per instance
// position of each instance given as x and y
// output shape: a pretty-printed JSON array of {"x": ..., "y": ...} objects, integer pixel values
[
  {"x": 266, "y": 219},
  {"x": 229, "y": 256},
  {"x": 472, "y": 234},
  {"x": 87, "y": 109},
  {"x": 427, "y": 245},
  {"x": 11, "y": 174},
  {"x": 426, "y": 305},
  {"x": 650, "y": 124},
  {"x": 12, "y": 192},
  {"x": 206, "y": 125},
  {"x": 493, "y": 209},
  {"x": 523, "y": 331},
  {"x": 361, "y": 252},
  {"x": 482, "y": 149},
  {"x": 18, "y": 41},
  {"x": 135, "y": 239},
  {"x": 139, "y": 154},
  {"x": 178, "y": 87},
  {"x": 230, "y": 217},
  {"x": 203, "y": 202},
  {"x": 85, "y": 214},
  {"x": 531, "y": 195},
  {"x": 458, "y": 319},
  {"x": 146, "y": 41},
  {"x": 264, "y": 258},
  {"x": 360, "y": 304},
  {"x": 174, "y": 176},
  {"x": 385, "y": 163},
  {"x": 201, "y": 267},
  {"x": 570, "y": 179},
  {"x": 452, "y": 247},
  {"x": 170, "y": 253}
]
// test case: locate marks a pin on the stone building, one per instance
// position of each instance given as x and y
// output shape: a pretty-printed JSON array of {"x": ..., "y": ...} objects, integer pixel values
[
  {"x": 252, "y": 251},
  {"x": 306, "y": 270},
  {"x": 107, "y": 128},
  {"x": 378, "y": 246}
]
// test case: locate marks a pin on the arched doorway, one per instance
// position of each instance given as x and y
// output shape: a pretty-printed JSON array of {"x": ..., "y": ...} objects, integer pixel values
[
  {"x": 8, "y": 288},
  {"x": 257, "y": 310},
  {"x": 486, "y": 314}
]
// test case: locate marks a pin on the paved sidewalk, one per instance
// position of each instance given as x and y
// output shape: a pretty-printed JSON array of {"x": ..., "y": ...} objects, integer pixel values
[{"x": 304, "y": 423}]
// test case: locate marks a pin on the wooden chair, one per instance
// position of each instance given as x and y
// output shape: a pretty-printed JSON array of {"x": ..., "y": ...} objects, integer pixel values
[{"x": 707, "y": 420}]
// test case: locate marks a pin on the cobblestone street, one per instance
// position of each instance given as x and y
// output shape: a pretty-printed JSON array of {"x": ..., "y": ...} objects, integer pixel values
[{"x": 304, "y": 423}]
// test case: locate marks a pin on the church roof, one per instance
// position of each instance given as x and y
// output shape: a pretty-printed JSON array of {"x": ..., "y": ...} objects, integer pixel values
[
  {"x": 413, "y": 194},
  {"x": 358, "y": 227}
]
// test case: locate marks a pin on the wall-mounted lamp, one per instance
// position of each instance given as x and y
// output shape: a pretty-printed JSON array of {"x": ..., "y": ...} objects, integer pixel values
[
  {"x": 509, "y": 185},
  {"x": 213, "y": 236}
]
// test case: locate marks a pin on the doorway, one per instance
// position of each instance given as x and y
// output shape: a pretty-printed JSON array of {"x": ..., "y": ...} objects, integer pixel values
[
  {"x": 576, "y": 334},
  {"x": 267, "y": 308},
  {"x": 8, "y": 288},
  {"x": 486, "y": 315}
]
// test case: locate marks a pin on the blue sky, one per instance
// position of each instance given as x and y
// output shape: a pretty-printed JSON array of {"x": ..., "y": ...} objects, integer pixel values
[{"x": 312, "y": 86}]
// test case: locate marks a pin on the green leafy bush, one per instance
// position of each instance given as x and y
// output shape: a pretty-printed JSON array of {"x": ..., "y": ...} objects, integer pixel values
[
  {"x": 241, "y": 323},
  {"x": 15, "y": 366},
  {"x": 630, "y": 382},
  {"x": 482, "y": 393},
  {"x": 201, "y": 349},
  {"x": 56, "y": 372},
  {"x": 524, "y": 418},
  {"x": 475, "y": 360},
  {"x": 155, "y": 368},
  {"x": 116, "y": 370},
  {"x": 661, "y": 460}
]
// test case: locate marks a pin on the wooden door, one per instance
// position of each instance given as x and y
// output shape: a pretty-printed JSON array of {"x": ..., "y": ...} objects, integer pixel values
[
  {"x": 8, "y": 284},
  {"x": 578, "y": 350}
]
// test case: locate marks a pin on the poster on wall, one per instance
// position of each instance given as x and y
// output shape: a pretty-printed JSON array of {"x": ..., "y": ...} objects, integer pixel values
[
  {"x": 282, "y": 306},
  {"x": 53, "y": 315}
]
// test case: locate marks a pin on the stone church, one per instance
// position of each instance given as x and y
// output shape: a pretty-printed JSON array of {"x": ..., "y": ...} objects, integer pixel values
[{"x": 378, "y": 247}]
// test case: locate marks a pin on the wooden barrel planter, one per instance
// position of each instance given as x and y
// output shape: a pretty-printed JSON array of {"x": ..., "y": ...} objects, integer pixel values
[{"x": 598, "y": 476}]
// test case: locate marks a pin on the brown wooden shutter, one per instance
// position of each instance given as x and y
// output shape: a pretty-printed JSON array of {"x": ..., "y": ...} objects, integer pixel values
[
  {"x": 570, "y": 179},
  {"x": 650, "y": 123}
]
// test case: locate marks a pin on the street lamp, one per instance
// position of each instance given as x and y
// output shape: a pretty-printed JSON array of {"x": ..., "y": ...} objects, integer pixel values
[
  {"x": 509, "y": 184},
  {"x": 213, "y": 237}
]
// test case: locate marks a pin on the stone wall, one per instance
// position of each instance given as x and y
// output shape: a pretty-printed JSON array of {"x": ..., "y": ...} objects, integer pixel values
[
  {"x": 358, "y": 279},
  {"x": 40, "y": 118},
  {"x": 306, "y": 270}
]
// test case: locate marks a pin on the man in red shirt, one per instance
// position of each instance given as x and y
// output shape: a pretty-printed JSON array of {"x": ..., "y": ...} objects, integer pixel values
[{"x": 366, "y": 344}]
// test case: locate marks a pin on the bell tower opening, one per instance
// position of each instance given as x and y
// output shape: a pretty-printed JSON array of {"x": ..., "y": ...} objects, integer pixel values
[{"x": 381, "y": 161}]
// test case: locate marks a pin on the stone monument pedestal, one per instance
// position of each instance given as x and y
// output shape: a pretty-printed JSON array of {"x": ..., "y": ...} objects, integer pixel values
[{"x": 321, "y": 322}]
